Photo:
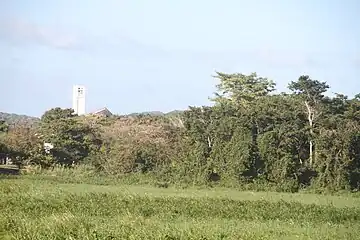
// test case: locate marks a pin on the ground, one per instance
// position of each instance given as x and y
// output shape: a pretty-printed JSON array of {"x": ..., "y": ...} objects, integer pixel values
[{"x": 42, "y": 209}]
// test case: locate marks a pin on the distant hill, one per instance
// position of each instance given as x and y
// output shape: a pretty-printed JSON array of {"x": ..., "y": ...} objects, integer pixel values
[
  {"x": 157, "y": 113},
  {"x": 174, "y": 113},
  {"x": 16, "y": 119},
  {"x": 152, "y": 113}
]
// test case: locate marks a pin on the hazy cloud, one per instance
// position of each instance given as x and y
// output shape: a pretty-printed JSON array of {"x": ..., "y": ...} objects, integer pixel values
[
  {"x": 114, "y": 44},
  {"x": 23, "y": 32},
  {"x": 19, "y": 31}
]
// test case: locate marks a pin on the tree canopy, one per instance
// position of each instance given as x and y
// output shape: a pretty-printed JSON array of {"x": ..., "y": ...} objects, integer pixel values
[{"x": 251, "y": 135}]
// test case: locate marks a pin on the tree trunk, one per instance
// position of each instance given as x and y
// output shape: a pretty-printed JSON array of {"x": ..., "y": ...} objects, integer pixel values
[
  {"x": 311, "y": 145},
  {"x": 311, "y": 152}
]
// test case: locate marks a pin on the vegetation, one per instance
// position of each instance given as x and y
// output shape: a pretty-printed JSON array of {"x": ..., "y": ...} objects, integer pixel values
[
  {"x": 251, "y": 136},
  {"x": 35, "y": 208},
  {"x": 210, "y": 172}
]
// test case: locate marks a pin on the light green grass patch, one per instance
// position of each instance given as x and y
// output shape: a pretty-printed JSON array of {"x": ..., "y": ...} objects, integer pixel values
[{"x": 35, "y": 209}]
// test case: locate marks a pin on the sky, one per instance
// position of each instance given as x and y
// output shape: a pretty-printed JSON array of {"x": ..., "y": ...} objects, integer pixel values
[{"x": 161, "y": 55}]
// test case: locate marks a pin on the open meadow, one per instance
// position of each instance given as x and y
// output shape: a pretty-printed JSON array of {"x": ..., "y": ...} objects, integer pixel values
[{"x": 37, "y": 208}]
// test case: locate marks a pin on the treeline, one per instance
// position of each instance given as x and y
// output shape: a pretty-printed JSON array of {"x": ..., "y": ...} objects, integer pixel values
[{"x": 250, "y": 136}]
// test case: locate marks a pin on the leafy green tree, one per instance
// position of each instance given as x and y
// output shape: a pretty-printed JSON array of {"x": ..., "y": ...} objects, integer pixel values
[
  {"x": 245, "y": 92},
  {"x": 282, "y": 137},
  {"x": 338, "y": 144},
  {"x": 57, "y": 113},
  {"x": 4, "y": 127},
  {"x": 242, "y": 89},
  {"x": 311, "y": 93},
  {"x": 22, "y": 143},
  {"x": 199, "y": 139},
  {"x": 3, "y": 131},
  {"x": 73, "y": 139}
]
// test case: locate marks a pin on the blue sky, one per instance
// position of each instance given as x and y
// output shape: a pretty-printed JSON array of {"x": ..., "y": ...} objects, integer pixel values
[{"x": 142, "y": 55}]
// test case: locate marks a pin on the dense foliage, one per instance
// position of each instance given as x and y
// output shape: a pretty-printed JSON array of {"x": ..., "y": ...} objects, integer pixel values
[{"x": 251, "y": 135}]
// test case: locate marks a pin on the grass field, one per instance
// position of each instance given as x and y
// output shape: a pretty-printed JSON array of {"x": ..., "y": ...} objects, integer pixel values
[{"x": 41, "y": 209}]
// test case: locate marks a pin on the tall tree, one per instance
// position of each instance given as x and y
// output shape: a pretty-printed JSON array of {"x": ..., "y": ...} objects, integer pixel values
[
  {"x": 241, "y": 89},
  {"x": 245, "y": 92},
  {"x": 282, "y": 139},
  {"x": 311, "y": 93}
]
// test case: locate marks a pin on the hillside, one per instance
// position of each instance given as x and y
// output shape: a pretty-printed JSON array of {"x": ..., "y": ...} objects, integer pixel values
[
  {"x": 12, "y": 118},
  {"x": 156, "y": 113},
  {"x": 15, "y": 119}
]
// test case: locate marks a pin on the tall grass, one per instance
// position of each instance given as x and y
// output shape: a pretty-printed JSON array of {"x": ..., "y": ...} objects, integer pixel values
[{"x": 37, "y": 208}]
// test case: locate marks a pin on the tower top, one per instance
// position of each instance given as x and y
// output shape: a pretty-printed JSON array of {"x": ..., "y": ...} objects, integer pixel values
[{"x": 78, "y": 99}]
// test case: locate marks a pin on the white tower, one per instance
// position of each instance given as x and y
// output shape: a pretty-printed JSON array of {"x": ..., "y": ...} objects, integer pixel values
[{"x": 79, "y": 99}]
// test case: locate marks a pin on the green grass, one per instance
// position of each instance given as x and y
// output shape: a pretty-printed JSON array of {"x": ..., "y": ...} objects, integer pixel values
[{"x": 43, "y": 209}]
